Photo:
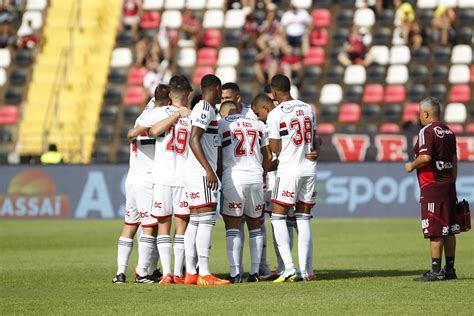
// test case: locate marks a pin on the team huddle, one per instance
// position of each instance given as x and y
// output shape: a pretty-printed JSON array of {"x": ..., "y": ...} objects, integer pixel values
[{"x": 188, "y": 160}]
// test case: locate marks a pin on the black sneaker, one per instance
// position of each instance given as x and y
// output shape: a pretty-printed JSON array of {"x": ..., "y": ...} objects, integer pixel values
[
  {"x": 156, "y": 275},
  {"x": 450, "y": 274},
  {"x": 143, "y": 280},
  {"x": 430, "y": 276},
  {"x": 236, "y": 279},
  {"x": 119, "y": 278},
  {"x": 253, "y": 278}
]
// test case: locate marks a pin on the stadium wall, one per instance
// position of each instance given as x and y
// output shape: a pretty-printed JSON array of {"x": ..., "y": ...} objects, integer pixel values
[{"x": 97, "y": 191}]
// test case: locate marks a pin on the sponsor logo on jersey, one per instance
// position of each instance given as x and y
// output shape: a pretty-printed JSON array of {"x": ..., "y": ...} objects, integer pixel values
[
  {"x": 194, "y": 195},
  {"x": 183, "y": 204},
  {"x": 455, "y": 228},
  {"x": 170, "y": 110},
  {"x": 425, "y": 223},
  {"x": 441, "y": 132},
  {"x": 288, "y": 108},
  {"x": 144, "y": 214},
  {"x": 441, "y": 165},
  {"x": 157, "y": 205},
  {"x": 259, "y": 207},
  {"x": 288, "y": 194},
  {"x": 445, "y": 230},
  {"x": 235, "y": 206}
]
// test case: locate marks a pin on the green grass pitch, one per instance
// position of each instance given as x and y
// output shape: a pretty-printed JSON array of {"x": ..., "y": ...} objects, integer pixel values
[{"x": 363, "y": 266}]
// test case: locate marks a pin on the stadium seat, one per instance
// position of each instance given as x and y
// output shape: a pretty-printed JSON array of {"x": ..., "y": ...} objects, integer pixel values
[
  {"x": 353, "y": 93},
  {"x": 420, "y": 55},
  {"x": 425, "y": 17},
  {"x": 385, "y": 18},
  {"x": 380, "y": 54},
  {"x": 174, "y": 4},
  {"x": 354, "y": 74},
  {"x": 246, "y": 74},
  {"x": 207, "y": 56},
  {"x": 234, "y": 19},
  {"x": 376, "y": 74},
  {"x": 391, "y": 113},
  {"x": 382, "y": 36},
  {"x": 364, "y": 17},
  {"x": 397, "y": 74},
  {"x": 331, "y": 94},
  {"x": 3, "y": 77},
  {"x": 345, "y": 17},
  {"x": 314, "y": 56},
  {"x": 459, "y": 74},
  {"x": 439, "y": 73},
  {"x": 389, "y": 128},
  {"x": 419, "y": 74},
  {"x": 472, "y": 73},
  {"x": 400, "y": 55},
  {"x": 112, "y": 96},
  {"x": 196, "y": 4},
  {"x": 17, "y": 77},
  {"x": 215, "y": 4},
  {"x": 469, "y": 129},
  {"x": 35, "y": 17},
  {"x": 438, "y": 91},
  {"x": 319, "y": 37},
  {"x": 122, "y": 155},
  {"x": 201, "y": 71},
  {"x": 212, "y": 38},
  {"x": 441, "y": 55},
  {"x": 150, "y": 20},
  {"x": 13, "y": 96},
  {"x": 411, "y": 112},
  {"x": 461, "y": 54},
  {"x": 325, "y": 128},
  {"x": 302, "y": 4},
  {"x": 23, "y": 57},
  {"x": 100, "y": 154},
  {"x": 349, "y": 113},
  {"x": 130, "y": 114},
  {"x": 427, "y": 4},
  {"x": 373, "y": 93},
  {"x": 308, "y": 94},
  {"x": 328, "y": 113},
  {"x": 187, "y": 57},
  {"x": 136, "y": 75},
  {"x": 226, "y": 73},
  {"x": 152, "y": 4},
  {"x": 455, "y": 113},
  {"x": 340, "y": 36},
  {"x": 228, "y": 56},
  {"x": 124, "y": 38},
  {"x": 456, "y": 128},
  {"x": 134, "y": 96},
  {"x": 105, "y": 134},
  {"x": 465, "y": 17},
  {"x": 121, "y": 57},
  {"x": 5, "y": 135},
  {"x": 248, "y": 55},
  {"x": 335, "y": 74},
  {"x": 8, "y": 115},
  {"x": 108, "y": 114},
  {"x": 312, "y": 75},
  {"x": 213, "y": 19},
  {"x": 394, "y": 94},
  {"x": 321, "y": 17},
  {"x": 347, "y": 128},
  {"x": 5, "y": 57},
  {"x": 36, "y": 5},
  {"x": 171, "y": 19},
  {"x": 116, "y": 76},
  {"x": 416, "y": 93},
  {"x": 460, "y": 93},
  {"x": 464, "y": 35},
  {"x": 370, "y": 113},
  {"x": 464, "y": 4},
  {"x": 232, "y": 37},
  {"x": 448, "y": 3}
]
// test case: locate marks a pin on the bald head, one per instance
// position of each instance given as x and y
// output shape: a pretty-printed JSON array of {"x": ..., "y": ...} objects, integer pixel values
[{"x": 430, "y": 110}]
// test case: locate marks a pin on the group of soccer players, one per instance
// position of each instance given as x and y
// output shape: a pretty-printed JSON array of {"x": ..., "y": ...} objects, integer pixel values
[{"x": 186, "y": 156}]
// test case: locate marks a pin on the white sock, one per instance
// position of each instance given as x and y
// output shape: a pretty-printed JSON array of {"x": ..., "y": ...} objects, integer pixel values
[
  {"x": 145, "y": 250},
  {"x": 190, "y": 244},
  {"x": 178, "y": 247},
  {"x": 264, "y": 268},
  {"x": 304, "y": 238},
  {"x": 291, "y": 234},
  {"x": 233, "y": 245},
  {"x": 283, "y": 240},
  {"x": 203, "y": 241},
  {"x": 309, "y": 262},
  {"x": 125, "y": 247},
  {"x": 256, "y": 246},
  {"x": 242, "y": 243},
  {"x": 280, "y": 264},
  {"x": 153, "y": 261},
  {"x": 164, "y": 248}
]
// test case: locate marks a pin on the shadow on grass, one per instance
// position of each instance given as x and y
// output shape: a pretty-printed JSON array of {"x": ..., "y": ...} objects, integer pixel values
[{"x": 351, "y": 274}]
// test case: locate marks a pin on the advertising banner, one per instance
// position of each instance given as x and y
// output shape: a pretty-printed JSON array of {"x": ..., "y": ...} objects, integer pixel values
[{"x": 98, "y": 191}]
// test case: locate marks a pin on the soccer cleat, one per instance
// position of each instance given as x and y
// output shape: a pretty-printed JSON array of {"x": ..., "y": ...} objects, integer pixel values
[
  {"x": 235, "y": 279},
  {"x": 311, "y": 277},
  {"x": 450, "y": 274},
  {"x": 119, "y": 278},
  {"x": 286, "y": 276},
  {"x": 302, "y": 277},
  {"x": 178, "y": 279},
  {"x": 211, "y": 279},
  {"x": 191, "y": 279},
  {"x": 156, "y": 276},
  {"x": 430, "y": 276},
  {"x": 253, "y": 278},
  {"x": 143, "y": 279},
  {"x": 168, "y": 279},
  {"x": 268, "y": 277}
]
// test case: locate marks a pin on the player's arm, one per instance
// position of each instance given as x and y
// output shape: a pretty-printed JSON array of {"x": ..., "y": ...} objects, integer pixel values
[
  {"x": 196, "y": 147},
  {"x": 420, "y": 162},
  {"x": 164, "y": 125},
  {"x": 455, "y": 166},
  {"x": 267, "y": 159},
  {"x": 133, "y": 133},
  {"x": 220, "y": 167}
]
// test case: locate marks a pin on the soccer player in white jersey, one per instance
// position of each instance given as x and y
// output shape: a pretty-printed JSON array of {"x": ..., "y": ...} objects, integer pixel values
[
  {"x": 291, "y": 127},
  {"x": 243, "y": 156},
  {"x": 201, "y": 184}
]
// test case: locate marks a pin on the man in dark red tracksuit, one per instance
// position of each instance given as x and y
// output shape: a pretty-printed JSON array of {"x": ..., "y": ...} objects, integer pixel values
[{"x": 436, "y": 166}]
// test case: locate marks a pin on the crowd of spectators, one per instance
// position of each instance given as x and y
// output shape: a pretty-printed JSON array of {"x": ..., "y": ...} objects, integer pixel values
[{"x": 10, "y": 22}]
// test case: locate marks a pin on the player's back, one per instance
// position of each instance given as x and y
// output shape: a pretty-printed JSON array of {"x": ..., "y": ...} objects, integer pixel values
[{"x": 294, "y": 123}]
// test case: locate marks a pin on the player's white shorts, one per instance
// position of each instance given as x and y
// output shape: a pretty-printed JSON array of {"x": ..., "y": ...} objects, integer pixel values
[
  {"x": 168, "y": 200},
  {"x": 197, "y": 193},
  {"x": 245, "y": 199},
  {"x": 138, "y": 204},
  {"x": 288, "y": 191}
]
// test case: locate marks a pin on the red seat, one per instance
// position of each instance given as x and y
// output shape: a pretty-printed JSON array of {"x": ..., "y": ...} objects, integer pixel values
[
  {"x": 321, "y": 17},
  {"x": 349, "y": 113},
  {"x": 8, "y": 115},
  {"x": 456, "y": 128},
  {"x": 472, "y": 73},
  {"x": 411, "y": 112},
  {"x": 460, "y": 93},
  {"x": 136, "y": 75},
  {"x": 134, "y": 96},
  {"x": 314, "y": 56},
  {"x": 395, "y": 94},
  {"x": 207, "y": 56},
  {"x": 200, "y": 72},
  {"x": 373, "y": 93},
  {"x": 470, "y": 129},
  {"x": 326, "y": 128},
  {"x": 319, "y": 37},
  {"x": 212, "y": 38},
  {"x": 389, "y": 128},
  {"x": 150, "y": 20}
]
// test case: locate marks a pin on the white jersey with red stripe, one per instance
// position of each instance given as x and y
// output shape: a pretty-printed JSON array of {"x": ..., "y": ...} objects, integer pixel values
[
  {"x": 241, "y": 139},
  {"x": 182, "y": 131},
  {"x": 204, "y": 117},
  {"x": 294, "y": 123}
]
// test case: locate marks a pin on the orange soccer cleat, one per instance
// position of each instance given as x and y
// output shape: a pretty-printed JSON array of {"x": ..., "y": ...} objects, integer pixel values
[
  {"x": 179, "y": 279},
  {"x": 211, "y": 279},
  {"x": 168, "y": 279},
  {"x": 191, "y": 279}
]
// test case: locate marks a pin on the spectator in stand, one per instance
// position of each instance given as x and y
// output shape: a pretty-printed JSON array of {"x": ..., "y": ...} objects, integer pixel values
[
  {"x": 404, "y": 18},
  {"x": 131, "y": 12},
  {"x": 8, "y": 13},
  {"x": 147, "y": 49},
  {"x": 155, "y": 75},
  {"x": 442, "y": 24},
  {"x": 415, "y": 37},
  {"x": 26, "y": 36},
  {"x": 354, "y": 50},
  {"x": 167, "y": 41},
  {"x": 270, "y": 30},
  {"x": 292, "y": 63},
  {"x": 7, "y": 37},
  {"x": 266, "y": 65},
  {"x": 250, "y": 34},
  {"x": 191, "y": 27},
  {"x": 296, "y": 24}
]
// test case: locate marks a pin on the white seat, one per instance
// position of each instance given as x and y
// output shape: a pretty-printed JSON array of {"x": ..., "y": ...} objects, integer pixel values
[
  {"x": 152, "y": 4},
  {"x": 5, "y": 58},
  {"x": 3, "y": 77},
  {"x": 215, "y": 4},
  {"x": 36, "y": 4},
  {"x": 228, "y": 56},
  {"x": 380, "y": 54},
  {"x": 400, "y": 55},
  {"x": 364, "y": 17},
  {"x": 196, "y": 4},
  {"x": 302, "y": 4},
  {"x": 331, "y": 93},
  {"x": 171, "y": 19},
  {"x": 465, "y": 4},
  {"x": 461, "y": 54},
  {"x": 174, "y": 4},
  {"x": 459, "y": 74},
  {"x": 355, "y": 74},
  {"x": 455, "y": 113},
  {"x": 187, "y": 57},
  {"x": 448, "y": 3},
  {"x": 226, "y": 73},
  {"x": 213, "y": 19},
  {"x": 234, "y": 19},
  {"x": 426, "y": 4},
  {"x": 35, "y": 17},
  {"x": 121, "y": 57},
  {"x": 397, "y": 74}
]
